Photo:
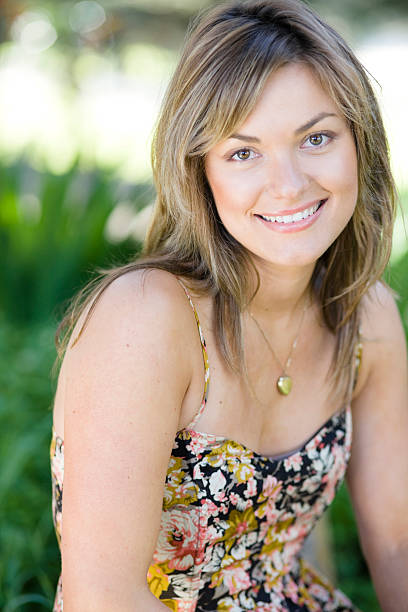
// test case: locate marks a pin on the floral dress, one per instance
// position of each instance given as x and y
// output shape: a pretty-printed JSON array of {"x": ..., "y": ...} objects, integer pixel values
[{"x": 234, "y": 521}]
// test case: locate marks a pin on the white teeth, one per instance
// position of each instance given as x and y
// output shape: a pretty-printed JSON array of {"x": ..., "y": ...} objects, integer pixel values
[{"x": 303, "y": 214}]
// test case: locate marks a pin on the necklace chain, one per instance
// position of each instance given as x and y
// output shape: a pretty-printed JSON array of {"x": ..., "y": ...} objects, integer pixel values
[{"x": 283, "y": 387}]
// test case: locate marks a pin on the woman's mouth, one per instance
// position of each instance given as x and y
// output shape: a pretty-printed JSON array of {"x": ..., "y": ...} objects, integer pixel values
[
  {"x": 295, "y": 221},
  {"x": 298, "y": 216}
]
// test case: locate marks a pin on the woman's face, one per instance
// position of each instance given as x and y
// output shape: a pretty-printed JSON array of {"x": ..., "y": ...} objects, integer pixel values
[{"x": 285, "y": 184}]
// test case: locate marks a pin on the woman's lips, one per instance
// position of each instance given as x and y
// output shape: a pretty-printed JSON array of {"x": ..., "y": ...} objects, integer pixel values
[{"x": 293, "y": 222}]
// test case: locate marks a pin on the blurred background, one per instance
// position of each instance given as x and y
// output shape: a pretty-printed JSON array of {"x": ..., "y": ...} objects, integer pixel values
[{"x": 80, "y": 86}]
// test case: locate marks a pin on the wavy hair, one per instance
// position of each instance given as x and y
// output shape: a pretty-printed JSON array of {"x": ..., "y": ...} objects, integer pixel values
[{"x": 229, "y": 53}]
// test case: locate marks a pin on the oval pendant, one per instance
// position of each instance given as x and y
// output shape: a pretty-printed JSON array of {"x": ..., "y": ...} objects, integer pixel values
[{"x": 284, "y": 384}]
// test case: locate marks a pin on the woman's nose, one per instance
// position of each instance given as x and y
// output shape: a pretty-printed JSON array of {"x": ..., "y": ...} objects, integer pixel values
[{"x": 285, "y": 179}]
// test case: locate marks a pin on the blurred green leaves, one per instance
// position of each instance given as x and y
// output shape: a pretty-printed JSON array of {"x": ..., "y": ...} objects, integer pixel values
[
  {"x": 29, "y": 560},
  {"x": 52, "y": 234}
]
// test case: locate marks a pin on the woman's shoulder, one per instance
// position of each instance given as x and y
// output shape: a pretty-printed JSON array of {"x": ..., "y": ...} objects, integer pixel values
[
  {"x": 140, "y": 334},
  {"x": 146, "y": 288},
  {"x": 382, "y": 333},
  {"x": 139, "y": 301},
  {"x": 380, "y": 317},
  {"x": 141, "y": 316}
]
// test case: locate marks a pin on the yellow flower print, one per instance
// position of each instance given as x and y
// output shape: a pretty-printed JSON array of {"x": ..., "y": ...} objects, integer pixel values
[
  {"x": 174, "y": 471},
  {"x": 239, "y": 524},
  {"x": 236, "y": 457},
  {"x": 176, "y": 491},
  {"x": 157, "y": 580},
  {"x": 273, "y": 540},
  {"x": 226, "y": 606},
  {"x": 170, "y": 603}
]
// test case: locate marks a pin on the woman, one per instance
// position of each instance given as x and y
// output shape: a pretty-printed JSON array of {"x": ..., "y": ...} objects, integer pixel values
[{"x": 272, "y": 226}]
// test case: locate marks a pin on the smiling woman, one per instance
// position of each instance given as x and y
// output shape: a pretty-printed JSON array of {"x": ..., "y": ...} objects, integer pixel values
[{"x": 272, "y": 228}]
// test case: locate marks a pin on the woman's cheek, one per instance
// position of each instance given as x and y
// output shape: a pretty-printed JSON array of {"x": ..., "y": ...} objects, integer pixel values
[{"x": 233, "y": 193}]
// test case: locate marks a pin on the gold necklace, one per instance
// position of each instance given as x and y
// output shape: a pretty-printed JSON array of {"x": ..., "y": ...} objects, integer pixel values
[{"x": 284, "y": 383}]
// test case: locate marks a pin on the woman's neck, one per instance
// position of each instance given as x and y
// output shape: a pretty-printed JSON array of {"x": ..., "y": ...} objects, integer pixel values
[{"x": 282, "y": 291}]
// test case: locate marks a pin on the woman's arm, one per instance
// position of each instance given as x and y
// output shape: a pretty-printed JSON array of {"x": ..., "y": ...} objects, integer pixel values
[
  {"x": 125, "y": 381},
  {"x": 378, "y": 471}
]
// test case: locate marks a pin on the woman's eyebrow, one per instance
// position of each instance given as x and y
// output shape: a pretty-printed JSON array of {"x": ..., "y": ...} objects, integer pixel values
[
  {"x": 312, "y": 122},
  {"x": 299, "y": 130},
  {"x": 243, "y": 137}
]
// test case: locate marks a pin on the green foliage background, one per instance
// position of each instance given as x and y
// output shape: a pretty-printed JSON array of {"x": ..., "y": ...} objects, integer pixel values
[{"x": 46, "y": 257}]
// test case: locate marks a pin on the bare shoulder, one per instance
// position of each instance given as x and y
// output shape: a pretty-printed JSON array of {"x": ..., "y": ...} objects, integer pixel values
[
  {"x": 382, "y": 333},
  {"x": 134, "y": 299},
  {"x": 139, "y": 333},
  {"x": 381, "y": 321},
  {"x": 141, "y": 315}
]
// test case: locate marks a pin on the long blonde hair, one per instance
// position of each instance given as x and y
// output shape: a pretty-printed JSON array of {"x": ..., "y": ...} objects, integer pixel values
[{"x": 228, "y": 55}]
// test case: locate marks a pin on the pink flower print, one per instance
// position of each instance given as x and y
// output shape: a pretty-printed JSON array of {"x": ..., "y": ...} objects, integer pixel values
[
  {"x": 268, "y": 607},
  {"x": 235, "y": 579},
  {"x": 57, "y": 466},
  {"x": 271, "y": 487},
  {"x": 209, "y": 508},
  {"x": 197, "y": 444},
  {"x": 313, "y": 444},
  {"x": 270, "y": 492},
  {"x": 297, "y": 533},
  {"x": 298, "y": 509},
  {"x": 339, "y": 434},
  {"x": 294, "y": 462},
  {"x": 292, "y": 591},
  {"x": 263, "y": 530},
  {"x": 234, "y": 498},
  {"x": 178, "y": 537},
  {"x": 269, "y": 511},
  {"x": 338, "y": 460},
  {"x": 316, "y": 590},
  {"x": 310, "y": 485},
  {"x": 250, "y": 490},
  {"x": 290, "y": 490}
]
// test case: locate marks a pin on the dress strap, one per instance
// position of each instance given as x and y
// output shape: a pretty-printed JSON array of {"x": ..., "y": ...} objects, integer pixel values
[
  {"x": 205, "y": 360},
  {"x": 358, "y": 356}
]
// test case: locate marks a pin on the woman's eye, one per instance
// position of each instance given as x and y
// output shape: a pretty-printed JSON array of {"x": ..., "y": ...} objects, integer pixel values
[
  {"x": 243, "y": 155},
  {"x": 318, "y": 140}
]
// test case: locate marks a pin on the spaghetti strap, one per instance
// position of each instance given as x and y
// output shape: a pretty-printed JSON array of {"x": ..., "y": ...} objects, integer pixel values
[
  {"x": 205, "y": 360},
  {"x": 358, "y": 356}
]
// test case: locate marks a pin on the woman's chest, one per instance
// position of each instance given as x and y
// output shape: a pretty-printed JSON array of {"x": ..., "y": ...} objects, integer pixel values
[{"x": 248, "y": 406}]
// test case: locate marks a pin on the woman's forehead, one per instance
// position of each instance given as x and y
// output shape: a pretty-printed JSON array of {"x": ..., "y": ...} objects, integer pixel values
[{"x": 292, "y": 98}]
